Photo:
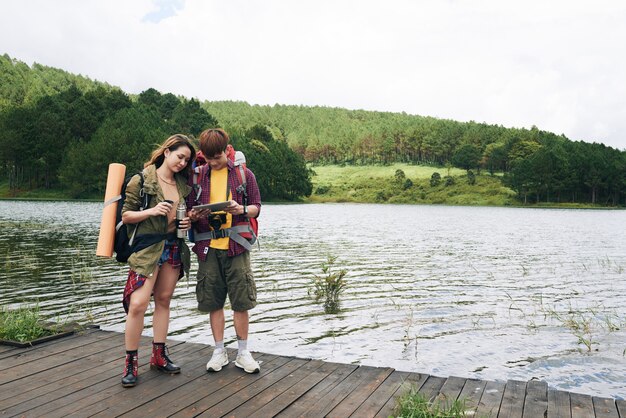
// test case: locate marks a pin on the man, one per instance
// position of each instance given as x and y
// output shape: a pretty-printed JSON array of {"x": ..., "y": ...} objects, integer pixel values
[{"x": 223, "y": 257}]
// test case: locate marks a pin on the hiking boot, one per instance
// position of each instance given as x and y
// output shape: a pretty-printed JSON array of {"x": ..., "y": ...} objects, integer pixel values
[
  {"x": 245, "y": 361},
  {"x": 129, "y": 379},
  {"x": 218, "y": 360},
  {"x": 159, "y": 359}
]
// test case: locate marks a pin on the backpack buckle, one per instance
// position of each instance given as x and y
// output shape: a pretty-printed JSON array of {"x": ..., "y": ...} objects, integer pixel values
[{"x": 220, "y": 233}]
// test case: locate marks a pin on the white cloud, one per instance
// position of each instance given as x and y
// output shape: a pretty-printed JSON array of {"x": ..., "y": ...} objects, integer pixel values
[{"x": 557, "y": 65}]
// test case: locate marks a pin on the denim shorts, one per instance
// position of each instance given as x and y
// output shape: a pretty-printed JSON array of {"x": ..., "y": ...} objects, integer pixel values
[{"x": 170, "y": 254}]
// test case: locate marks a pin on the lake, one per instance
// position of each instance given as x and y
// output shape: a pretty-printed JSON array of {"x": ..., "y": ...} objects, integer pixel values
[{"x": 483, "y": 292}]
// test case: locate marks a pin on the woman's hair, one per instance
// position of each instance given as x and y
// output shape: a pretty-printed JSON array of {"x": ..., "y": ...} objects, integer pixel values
[
  {"x": 213, "y": 141},
  {"x": 173, "y": 143}
]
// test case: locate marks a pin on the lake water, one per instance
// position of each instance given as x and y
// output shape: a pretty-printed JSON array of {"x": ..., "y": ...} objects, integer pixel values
[{"x": 490, "y": 293}]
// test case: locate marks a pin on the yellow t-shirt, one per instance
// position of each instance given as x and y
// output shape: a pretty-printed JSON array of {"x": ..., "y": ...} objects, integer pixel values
[{"x": 219, "y": 180}]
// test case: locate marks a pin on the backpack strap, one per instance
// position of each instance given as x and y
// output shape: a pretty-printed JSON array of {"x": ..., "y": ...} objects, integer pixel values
[
  {"x": 233, "y": 233},
  {"x": 197, "y": 187},
  {"x": 145, "y": 201}
]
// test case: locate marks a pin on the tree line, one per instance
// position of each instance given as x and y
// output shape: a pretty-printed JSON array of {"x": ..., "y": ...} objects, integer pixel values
[
  {"x": 65, "y": 137},
  {"x": 44, "y": 111},
  {"x": 539, "y": 165}
]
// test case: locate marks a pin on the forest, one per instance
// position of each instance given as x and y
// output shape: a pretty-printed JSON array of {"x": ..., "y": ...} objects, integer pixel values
[
  {"x": 539, "y": 165},
  {"x": 59, "y": 130}
]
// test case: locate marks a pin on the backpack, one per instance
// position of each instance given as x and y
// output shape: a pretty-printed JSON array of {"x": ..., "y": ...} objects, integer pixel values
[
  {"x": 123, "y": 244},
  {"x": 244, "y": 233}
]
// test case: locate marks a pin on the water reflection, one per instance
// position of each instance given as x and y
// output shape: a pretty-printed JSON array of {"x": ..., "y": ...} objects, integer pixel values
[{"x": 490, "y": 293}]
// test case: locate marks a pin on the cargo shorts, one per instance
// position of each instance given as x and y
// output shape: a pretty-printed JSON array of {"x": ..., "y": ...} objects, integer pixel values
[{"x": 220, "y": 275}]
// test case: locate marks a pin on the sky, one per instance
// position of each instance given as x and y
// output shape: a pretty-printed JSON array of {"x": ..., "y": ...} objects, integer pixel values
[{"x": 559, "y": 65}]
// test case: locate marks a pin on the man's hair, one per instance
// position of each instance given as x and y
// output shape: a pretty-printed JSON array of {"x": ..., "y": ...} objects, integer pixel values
[{"x": 213, "y": 141}]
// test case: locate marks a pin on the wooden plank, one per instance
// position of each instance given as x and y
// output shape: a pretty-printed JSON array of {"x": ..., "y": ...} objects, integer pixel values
[
  {"x": 241, "y": 380},
  {"x": 71, "y": 392},
  {"x": 430, "y": 389},
  {"x": 338, "y": 393},
  {"x": 83, "y": 379},
  {"x": 621, "y": 407},
  {"x": 489, "y": 404},
  {"x": 449, "y": 392},
  {"x": 192, "y": 364},
  {"x": 319, "y": 391},
  {"x": 413, "y": 382},
  {"x": 374, "y": 403},
  {"x": 71, "y": 396},
  {"x": 471, "y": 394},
  {"x": 559, "y": 404},
  {"x": 37, "y": 360},
  {"x": 361, "y": 392},
  {"x": 11, "y": 351},
  {"x": 264, "y": 404},
  {"x": 605, "y": 407},
  {"x": 5, "y": 350},
  {"x": 582, "y": 405},
  {"x": 46, "y": 381},
  {"x": 286, "y": 399},
  {"x": 513, "y": 400},
  {"x": 197, "y": 388},
  {"x": 92, "y": 399},
  {"x": 250, "y": 391},
  {"x": 536, "y": 402}
]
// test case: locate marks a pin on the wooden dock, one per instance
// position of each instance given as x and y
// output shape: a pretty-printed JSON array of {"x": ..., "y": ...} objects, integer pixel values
[{"x": 79, "y": 375}]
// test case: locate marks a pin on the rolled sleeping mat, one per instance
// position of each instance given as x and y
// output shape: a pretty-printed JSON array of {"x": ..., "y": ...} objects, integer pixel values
[{"x": 106, "y": 238}]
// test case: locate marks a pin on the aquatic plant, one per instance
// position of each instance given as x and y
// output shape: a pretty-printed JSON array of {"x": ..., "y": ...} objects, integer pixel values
[
  {"x": 82, "y": 267},
  {"x": 585, "y": 324},
  {"x": 330, "y": 285}
]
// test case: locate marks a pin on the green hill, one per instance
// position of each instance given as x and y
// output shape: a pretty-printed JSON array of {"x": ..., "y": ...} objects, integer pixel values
[{"x": 47, "y": 112}]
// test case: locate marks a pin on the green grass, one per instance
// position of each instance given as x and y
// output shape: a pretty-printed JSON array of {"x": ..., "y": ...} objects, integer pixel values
[
  {"x": 414, "y": 405},
  {"x": 22, "y": 324}
]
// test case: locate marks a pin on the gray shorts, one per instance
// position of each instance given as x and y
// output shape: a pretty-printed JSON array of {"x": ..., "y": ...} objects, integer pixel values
[{"x": 220, "y": 275}]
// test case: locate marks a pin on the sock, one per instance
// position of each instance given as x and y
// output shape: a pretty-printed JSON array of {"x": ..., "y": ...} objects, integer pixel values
[
  {"x": 133, "y": 352},
  {"x": 219, "y": 345},
  {"x": 242, "y": 345}
]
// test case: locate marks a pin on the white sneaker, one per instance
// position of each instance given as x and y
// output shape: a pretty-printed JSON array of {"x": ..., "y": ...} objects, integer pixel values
[
  {"x": 218, "y": 360},
  {"x": 245, "y": 361}
]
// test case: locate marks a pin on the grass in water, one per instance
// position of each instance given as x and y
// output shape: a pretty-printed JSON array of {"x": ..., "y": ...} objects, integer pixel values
[
  {"x": 330, "y": 285},
  {"x": 22, "y": 324},
  {"x": 414, "y": 405}
]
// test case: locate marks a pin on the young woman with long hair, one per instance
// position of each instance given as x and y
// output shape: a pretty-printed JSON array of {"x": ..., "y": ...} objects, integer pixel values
[{"x": 155, "y": 270}]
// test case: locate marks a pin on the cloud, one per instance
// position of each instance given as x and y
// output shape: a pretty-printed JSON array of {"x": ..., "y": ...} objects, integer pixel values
[{"x": 557, "y": 65}]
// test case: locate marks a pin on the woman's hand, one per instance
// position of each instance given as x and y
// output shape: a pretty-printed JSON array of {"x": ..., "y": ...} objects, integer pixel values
[
  {"x": 185, "y": 224},
  {"x": 161, "y": 209}
]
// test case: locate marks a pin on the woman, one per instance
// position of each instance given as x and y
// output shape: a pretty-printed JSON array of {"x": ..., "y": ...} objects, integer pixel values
[{"x": 156, "y": 269}]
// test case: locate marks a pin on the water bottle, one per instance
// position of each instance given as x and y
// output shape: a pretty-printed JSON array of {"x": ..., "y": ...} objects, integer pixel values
[{"x": 181, "y": 212}]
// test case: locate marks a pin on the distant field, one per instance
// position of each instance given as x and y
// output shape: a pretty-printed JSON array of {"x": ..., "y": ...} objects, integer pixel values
[
  {"x": 331, "y": 173},
  {"x": 379, "y": 184}
]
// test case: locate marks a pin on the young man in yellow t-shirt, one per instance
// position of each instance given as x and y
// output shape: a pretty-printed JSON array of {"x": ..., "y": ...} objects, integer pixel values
[{"x": 224, "y": 264}]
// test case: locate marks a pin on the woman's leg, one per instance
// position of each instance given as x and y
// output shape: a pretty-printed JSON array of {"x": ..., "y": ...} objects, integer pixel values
[
  {"x": 163, "y": 291},
  {"x": 139, "y": 301}
]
